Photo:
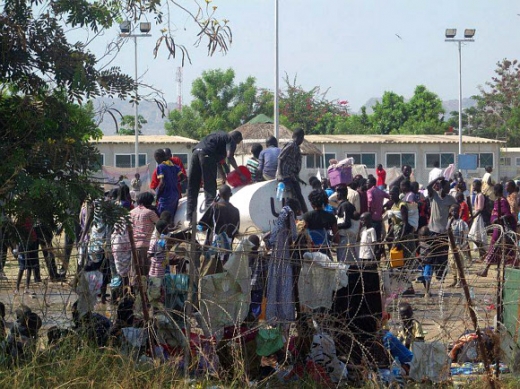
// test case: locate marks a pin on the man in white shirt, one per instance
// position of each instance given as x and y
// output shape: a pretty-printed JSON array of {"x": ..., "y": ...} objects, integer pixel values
[
  {"x": 488, "y": 183},
  {"x": 367, "y": 238},
  {"x": 435, "y": 173},
  {"x": 353, "y": 195}
]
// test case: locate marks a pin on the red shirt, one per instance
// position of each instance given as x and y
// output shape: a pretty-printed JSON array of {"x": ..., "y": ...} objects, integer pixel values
[
  {"x": 464, "y": 211},
  {"x": 381, "y": 177},
  {"x": 177, "y": 161}
]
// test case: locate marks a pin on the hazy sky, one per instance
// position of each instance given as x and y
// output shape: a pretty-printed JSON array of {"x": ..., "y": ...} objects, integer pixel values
[{"x": 348, "y": 46}]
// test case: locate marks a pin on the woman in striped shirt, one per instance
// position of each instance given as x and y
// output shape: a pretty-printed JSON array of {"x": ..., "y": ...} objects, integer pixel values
[{"x": 157, "y": 253}]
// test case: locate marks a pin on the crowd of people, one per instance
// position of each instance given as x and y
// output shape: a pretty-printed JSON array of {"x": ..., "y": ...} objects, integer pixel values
[{"x": 367, "y": 224}]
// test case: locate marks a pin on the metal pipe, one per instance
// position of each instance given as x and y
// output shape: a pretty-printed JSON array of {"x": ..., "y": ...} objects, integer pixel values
[
  {"x": 136, "y": 121},
  {"x": 276, "y": 71},
  {"x": 460, "y": 102}
]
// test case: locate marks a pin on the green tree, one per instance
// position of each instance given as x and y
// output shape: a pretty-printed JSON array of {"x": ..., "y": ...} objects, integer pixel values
[
  {"x": 498, "y": 105},
  {"x": 355, "y": 124},
  {"x": 128, "y": 123},
  {"x": 48, "y": 157},
  {"x": 186, "y": 123},
  {"x": 37, "y": 54},
  {"x": 390, "y": 114},
  {"x": 219, "y": 104},
  {"x": 310, "y": 110},
  {"x": 425, "y": 113},
  {"x": 46, "y": 150}
]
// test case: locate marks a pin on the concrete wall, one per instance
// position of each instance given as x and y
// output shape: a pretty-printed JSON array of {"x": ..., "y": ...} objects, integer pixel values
[
  {"x": 381, "y": 150},
  {"x": 109, "y": 151},
  {"x": 509, "y": 163},
  {"x": 420, "y": 151}
]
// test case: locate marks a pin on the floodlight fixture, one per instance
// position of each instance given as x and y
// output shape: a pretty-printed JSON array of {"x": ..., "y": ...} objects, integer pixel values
[
  {"x": 469, "y": 33},
  {"x": 451, "y": 32},
  {"x": 125, "y": 27},
  {"x": 126, "y": 32},
  {"x": 145, "y": 27}
]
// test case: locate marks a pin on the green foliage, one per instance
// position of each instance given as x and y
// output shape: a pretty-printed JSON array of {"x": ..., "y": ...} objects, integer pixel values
[
  {"x": 390, "y": 114},
  {"x": 424, "y": 113},
  {"x": 219, "y": 104},
  {"x": 128, "y": 124},
  {"x": 471, "y": 121},
  {"x": 264, "y": 103},
  {"x": 310, "y": 110},
  {"x": 35, "y": 50},
  {"x": 424, "y": 106},
  {"x": 47, "y": 156},
  {"x": 186, "y": 123},
  {"x": 356, "y": 124},
  {"x": 498, "y": 106}
]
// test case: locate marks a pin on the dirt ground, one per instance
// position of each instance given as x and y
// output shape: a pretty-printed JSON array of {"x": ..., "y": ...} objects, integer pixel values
[{"x": 444, "y": 316}]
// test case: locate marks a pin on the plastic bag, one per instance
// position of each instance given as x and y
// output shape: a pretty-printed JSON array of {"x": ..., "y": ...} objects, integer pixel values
[
  {"x": 477, "y": 232},
  {"x": 268, "y": 341}
]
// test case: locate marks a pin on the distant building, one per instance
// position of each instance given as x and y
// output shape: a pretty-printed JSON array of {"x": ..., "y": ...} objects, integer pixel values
[
  {"x": 509, "y": 163},
  {"x": 117, "y": 155},
  {"x": 392, "y": 151},
  {"x": 119, "y": 150},
  {"x": 261, "y": 127}
]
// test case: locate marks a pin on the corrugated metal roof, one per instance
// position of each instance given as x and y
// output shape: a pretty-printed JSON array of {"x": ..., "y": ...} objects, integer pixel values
[
  {"x": 352, "y": 139},
  {"x": 149, "y": 139}
]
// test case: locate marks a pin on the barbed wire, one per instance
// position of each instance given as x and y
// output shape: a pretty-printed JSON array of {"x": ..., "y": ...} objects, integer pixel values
[{"x": 444, "y": 317}]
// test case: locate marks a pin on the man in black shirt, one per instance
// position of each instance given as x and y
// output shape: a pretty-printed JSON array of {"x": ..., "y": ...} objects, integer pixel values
[
  {"x": 222, "y": 220},
  {"x": 222, "y": 216},
  {"x": 205, "y": 161}
]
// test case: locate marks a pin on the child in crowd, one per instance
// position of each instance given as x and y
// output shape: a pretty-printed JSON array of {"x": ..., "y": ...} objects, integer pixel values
[
  {"x": 348, "y": 226},
  {"x": 367, "y": 238},
  {"x": 460, "y": 232},
  {"x": 411, "y": 330},
  {"x": 258, "y": 265},
  {"x": 426, "y": 245},
  {"x": 463, "y": 207},
  {"x": 136, "y": 184},
  {"x": 253, "y": 163},
  {"x": 157, "y": 253}
]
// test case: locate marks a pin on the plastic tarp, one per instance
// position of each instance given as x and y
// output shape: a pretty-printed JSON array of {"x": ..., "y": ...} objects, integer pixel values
[
  {"x": 319, "y": 278},
  {"x": 225, "y": 297},
  {"x": 430, "y": 361}
]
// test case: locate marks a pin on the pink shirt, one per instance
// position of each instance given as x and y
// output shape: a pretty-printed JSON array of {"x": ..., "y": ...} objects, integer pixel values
[
  {"x": 478, "y": 205},
  {"x": 143, "y": 220},
  {"x": 375, "y": 200}
]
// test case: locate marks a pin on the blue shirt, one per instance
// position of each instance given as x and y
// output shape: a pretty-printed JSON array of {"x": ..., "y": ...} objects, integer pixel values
[{"x": 269, "y": 161}]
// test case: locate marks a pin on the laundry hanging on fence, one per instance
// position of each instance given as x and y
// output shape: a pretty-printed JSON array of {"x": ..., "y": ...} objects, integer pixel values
[
  {"x": 225, "y": 297},
  {"x": 319, "y": 278}
]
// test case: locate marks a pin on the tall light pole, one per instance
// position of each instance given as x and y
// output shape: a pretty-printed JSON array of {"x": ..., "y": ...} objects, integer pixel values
[
  {"x": 450, "y": 34},
  {"x": 126, "y": 28},
  {"x": 276, "y": 71}
]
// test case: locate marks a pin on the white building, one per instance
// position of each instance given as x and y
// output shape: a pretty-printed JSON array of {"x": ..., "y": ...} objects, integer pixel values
[
  {"x": 419, "y": 151},
  {"x": 119, "y": 150},
  {"x": 509, "y": 163}
]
